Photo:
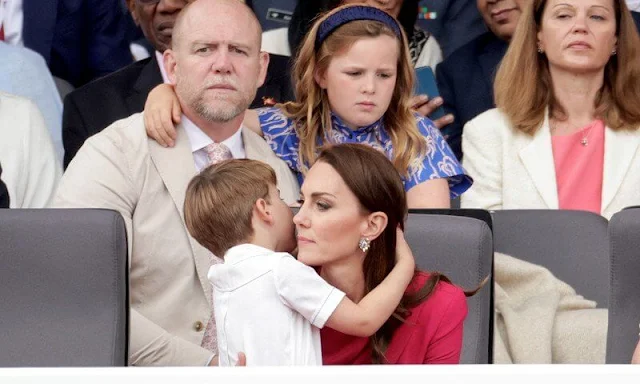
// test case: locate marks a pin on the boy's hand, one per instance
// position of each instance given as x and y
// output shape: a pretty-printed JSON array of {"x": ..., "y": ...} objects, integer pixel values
[{"x": 403, "y": 251}]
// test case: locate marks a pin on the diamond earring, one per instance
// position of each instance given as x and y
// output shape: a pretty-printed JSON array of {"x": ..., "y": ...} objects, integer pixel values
[{"x": 364, "y": 244}]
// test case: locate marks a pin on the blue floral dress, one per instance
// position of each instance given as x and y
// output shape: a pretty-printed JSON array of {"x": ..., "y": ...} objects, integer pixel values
[{"x": 439, "y": 161}]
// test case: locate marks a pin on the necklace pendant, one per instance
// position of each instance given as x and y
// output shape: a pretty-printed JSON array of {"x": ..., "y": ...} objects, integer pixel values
[{"x": 584, "y": 142}]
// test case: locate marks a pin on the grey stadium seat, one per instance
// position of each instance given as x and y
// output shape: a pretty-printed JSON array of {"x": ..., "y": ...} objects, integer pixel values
[
  {"x": 63, "y": 288},
  {"x": 624, "y": 299},
  {"x": 462, "y": 249},
  {"x": 573, "y": 245}
]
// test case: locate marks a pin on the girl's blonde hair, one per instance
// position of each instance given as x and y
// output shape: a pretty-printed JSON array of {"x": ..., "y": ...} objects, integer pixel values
[
  {"x": 523, "y": 86},
  {"x": 312, "y": 112}
]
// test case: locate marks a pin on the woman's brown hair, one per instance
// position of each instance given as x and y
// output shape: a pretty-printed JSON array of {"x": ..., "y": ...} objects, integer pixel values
[
  {"x": 378, "y": 187},
  {"x": 311, "y": 110},
  {"x": 523, "y": 86}
]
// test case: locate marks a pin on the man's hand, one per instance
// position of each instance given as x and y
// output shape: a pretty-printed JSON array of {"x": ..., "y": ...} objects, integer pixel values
[{"x": 425, "y": 107}]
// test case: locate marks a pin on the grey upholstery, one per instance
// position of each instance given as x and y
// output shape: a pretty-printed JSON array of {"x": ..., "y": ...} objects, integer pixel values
[
  {"x": 462, "y": 249},
  {"x": 573, "y": 245},
  {"x": 624, "y": 298},
  {"x": 63, "y": 288}
]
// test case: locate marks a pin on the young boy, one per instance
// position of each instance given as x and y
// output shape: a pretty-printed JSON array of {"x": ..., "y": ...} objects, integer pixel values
[{"x": 266, "y": 303}]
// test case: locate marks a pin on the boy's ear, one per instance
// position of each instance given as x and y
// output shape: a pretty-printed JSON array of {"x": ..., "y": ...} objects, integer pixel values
[
  {"x": 375, "y": 225},
  {"x": 263, "y": 210}
]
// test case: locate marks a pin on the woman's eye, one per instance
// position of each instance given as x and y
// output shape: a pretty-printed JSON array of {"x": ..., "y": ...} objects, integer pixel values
[
  {"x": 323, "y": 206},
  {"x": 354, "y": 73}
]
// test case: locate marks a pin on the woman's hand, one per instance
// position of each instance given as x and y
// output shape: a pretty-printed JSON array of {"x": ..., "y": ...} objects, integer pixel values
[
  {"x": 161, "y": 111},
  {"x": 425, "y": 107},
  {"x": 404, "y": 256}
]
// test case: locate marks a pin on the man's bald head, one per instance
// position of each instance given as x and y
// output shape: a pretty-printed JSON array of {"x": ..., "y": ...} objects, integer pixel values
[{"x": 232, "y": 11}]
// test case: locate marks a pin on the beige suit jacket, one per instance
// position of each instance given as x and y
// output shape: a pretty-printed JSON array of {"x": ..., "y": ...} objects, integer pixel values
[
  {"x": 170, "y": 295},
  {"x": 513, "y": 170}
]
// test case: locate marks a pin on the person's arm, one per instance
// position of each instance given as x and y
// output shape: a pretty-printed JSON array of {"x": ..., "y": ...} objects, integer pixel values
[
  {"x": 636, "y": 355},
  {"x": 482, "y": 146},
  {"x": 446, "y": 345},
  {"x": 42, "y": 170},
  {"x": 366, "y": 317},
  {"x": 162, "y": 112},
  {"x": 107, "y": 45},
  {"x": 301, "y": 289},
  {"x": 102, "y": 176},
  {"x": 430, "y": 194},
  {"x": 439, "y": 176}
]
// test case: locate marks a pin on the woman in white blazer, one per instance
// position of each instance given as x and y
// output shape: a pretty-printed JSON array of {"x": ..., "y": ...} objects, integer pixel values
[{"x": 565, "y": 132}]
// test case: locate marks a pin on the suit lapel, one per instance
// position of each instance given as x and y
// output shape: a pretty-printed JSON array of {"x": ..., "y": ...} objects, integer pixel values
[
  {"x": 39, "y": 29},
  {"x": 537, "y": 158},
  {"x": 252, "y": 148},
  {"x": 176, "y": 168},
  {"x": 619, "y": 151},
  {"x": 148, "y": 79}
]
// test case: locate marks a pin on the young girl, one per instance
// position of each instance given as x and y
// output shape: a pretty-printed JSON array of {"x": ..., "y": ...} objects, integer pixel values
[{"x": 354, "y": 81}]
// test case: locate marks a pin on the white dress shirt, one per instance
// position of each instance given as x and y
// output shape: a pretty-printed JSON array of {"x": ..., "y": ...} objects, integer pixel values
[
  {"x": 163, "y": 72},
  {"x": 269, "y": 306},
  {"x": 12, "y": 19}
]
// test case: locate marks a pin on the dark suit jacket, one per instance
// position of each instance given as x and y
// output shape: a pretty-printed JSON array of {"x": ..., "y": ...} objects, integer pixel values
[
  {"x": 4, "y": 193},
  {"x": 93, "y": 107},
  {"x": 636, "y": 19},
  {"x": 80, "y": 39},
  {"x": 465, "y": 82}
]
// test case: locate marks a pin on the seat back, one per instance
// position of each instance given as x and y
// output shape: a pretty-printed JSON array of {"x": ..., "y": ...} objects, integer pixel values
[
  {"x": 624, "y": 298},
  {"x": 63, "y": 288},
  {"x": 573, "y": 245},
  {"x": 462, "y": 249}
]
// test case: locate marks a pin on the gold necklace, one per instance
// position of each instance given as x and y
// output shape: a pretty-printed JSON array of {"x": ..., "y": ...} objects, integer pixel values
[{"x": 585, "y": 136}]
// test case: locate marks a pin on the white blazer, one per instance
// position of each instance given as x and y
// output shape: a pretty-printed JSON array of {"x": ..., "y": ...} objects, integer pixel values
[{"x": 513, "y": 170}]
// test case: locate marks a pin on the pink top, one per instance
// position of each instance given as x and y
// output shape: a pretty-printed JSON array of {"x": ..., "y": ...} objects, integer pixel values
[{"x": 579, "y": 168}]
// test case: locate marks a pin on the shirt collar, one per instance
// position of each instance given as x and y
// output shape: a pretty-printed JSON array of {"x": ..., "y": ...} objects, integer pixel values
[
  {"x": 339, "y": 124},
  {"x": 163, "y": 72},
  {"x": 199, "y": 139}
]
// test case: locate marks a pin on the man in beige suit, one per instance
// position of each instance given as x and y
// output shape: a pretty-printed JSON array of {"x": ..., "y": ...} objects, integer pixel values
[{"x": 216, "y": 67}]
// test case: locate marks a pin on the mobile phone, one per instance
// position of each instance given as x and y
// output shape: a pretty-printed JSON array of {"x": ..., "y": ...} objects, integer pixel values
[{"x": 426, "y": 85}]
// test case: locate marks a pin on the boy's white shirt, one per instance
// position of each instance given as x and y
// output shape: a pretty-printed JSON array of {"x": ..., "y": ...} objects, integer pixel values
[{"x": 269, "y": 306}]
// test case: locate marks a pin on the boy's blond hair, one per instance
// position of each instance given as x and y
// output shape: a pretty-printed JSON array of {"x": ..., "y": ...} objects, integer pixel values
[{"x": 218, "y": 205}]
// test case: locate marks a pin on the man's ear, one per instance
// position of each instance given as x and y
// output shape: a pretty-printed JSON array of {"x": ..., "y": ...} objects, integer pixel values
[
  {"x": 263, "y": 210},
  {"x": 264, "y": 66},
  {"x": 375, "y": 225},
  {"x": 170, "y": 64}
]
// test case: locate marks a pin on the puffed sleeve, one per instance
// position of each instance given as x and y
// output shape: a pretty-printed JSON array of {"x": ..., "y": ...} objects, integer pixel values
[
  {"x": 279, "y": 132},
  {"x": 439, "y": 162},
  {"x": 303, "y": 290}
]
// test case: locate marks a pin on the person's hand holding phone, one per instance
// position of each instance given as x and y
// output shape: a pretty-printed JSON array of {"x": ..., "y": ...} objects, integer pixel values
[
  {"x": 428, "y": 101},
  {"x": 426, "y": 107}
]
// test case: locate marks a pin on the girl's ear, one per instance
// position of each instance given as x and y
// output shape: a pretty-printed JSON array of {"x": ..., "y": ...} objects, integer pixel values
[{"x": 320, "y": 78}]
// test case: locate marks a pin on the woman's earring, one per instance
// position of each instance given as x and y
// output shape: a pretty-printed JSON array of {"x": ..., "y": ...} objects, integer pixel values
[
  {"x": 364, "y": 244},
  {"x": 540, "y": 49},
  {"x": 613, "y": 53}
]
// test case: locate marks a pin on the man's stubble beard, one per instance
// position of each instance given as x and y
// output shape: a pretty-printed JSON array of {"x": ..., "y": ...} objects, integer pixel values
[{"x": 215, "y": 111}]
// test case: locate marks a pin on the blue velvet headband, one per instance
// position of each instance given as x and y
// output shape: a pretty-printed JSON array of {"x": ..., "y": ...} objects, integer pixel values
[{"x": 349, "y": 14}]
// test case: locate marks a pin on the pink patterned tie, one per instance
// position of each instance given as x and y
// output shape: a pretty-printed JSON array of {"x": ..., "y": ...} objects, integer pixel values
[{"x": 216, "y": 152}]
